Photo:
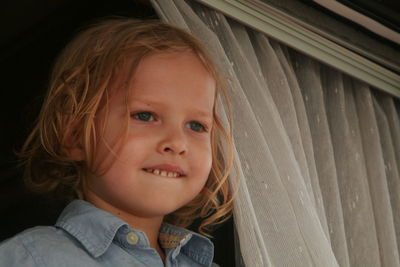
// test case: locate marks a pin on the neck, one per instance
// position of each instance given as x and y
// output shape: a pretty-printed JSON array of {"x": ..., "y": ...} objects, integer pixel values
[{"x": 149, "y": 225}]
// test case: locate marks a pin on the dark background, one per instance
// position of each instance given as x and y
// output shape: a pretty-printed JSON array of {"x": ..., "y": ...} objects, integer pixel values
[{"x": 32, "y": 33}]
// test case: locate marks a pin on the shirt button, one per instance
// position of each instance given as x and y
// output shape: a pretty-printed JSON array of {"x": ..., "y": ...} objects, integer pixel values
[
  {"x": 184, "y": 239},
  {"x": 132, "y": 238}
]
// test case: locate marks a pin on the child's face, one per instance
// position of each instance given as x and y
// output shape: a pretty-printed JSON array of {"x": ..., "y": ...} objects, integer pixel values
[{"x": 171, "y": 100}]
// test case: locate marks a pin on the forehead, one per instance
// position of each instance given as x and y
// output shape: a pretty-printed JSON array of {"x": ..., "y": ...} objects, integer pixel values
[{"x": 170, "y": 76}]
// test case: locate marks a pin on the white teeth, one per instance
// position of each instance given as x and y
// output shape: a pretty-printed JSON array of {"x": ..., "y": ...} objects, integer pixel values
[{"x": 163, "y": 173}]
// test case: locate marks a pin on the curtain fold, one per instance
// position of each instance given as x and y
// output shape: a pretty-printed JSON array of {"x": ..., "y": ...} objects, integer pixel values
[
  {"x": 318, "y": 151},
  {"x": 379, "y": 190},
  {"x": 309, "y": 78}
]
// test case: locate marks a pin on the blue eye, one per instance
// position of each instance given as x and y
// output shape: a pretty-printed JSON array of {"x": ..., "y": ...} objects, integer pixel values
[
  {"x": 195, "y": 126},
  {"x": 144, "y": 116}
]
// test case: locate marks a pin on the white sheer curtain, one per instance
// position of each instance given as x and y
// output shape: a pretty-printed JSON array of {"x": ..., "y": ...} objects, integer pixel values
[{"x": 319, "y": 152}]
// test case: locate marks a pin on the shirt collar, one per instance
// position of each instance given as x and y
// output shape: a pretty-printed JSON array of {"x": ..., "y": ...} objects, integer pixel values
[
  {"x": 84, "y": 222},
  {"x": 193, "y": 245}
]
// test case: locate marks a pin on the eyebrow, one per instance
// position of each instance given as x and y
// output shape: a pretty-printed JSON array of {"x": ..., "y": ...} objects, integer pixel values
[{"x": 151, "y": 103}]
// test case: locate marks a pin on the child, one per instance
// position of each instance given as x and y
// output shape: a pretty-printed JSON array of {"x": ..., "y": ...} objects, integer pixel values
[{"x": 128, "y": 128}]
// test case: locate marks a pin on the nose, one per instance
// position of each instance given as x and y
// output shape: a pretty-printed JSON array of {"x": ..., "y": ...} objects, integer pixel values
[{"x": 173, "y": 141}]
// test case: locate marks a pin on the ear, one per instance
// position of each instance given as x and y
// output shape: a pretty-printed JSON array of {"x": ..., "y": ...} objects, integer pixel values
[
  {"x": 76, "y": 153},
  {"x": 72, "y": 146}
]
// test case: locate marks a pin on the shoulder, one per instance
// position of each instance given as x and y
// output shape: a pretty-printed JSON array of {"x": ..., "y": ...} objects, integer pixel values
[
  {"x": 32, "y": 247},
  {"x": 16, "y": 251},
  {"x": 42, "y": 235}
]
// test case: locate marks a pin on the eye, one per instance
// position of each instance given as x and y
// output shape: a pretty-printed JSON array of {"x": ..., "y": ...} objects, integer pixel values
[
  {"x": 196, "y": 126},
  {"x": 143, "y": 116}
]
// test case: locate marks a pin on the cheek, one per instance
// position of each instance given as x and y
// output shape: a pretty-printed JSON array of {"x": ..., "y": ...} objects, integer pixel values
[
  {"x": 203, "y": 160},
  {"x": 128, "y": 148},
  {"x": 208, "y": 153},
  {"x": 208, "y": 162},
  {"x": 109, "y": 145}
]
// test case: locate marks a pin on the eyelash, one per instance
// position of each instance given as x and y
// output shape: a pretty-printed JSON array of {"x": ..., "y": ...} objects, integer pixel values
[{"x": 138, "y": 114}]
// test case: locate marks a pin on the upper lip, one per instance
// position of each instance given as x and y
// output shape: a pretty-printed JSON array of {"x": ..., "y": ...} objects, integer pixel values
[{"x": 168, "y": 168}]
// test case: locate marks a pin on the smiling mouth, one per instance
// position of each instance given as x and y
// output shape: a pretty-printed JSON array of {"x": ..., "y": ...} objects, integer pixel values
[{"x": 164, "y": 173}]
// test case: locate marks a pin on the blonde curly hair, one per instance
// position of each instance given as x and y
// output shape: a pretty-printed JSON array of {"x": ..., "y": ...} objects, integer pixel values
[{"x": 78, "y": 90}]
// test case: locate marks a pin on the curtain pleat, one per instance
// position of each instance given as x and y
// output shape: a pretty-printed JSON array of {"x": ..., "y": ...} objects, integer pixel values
[
  {"x": 390, "y": 159},
  {"x": 305, "y": 133},
  {"x": 277, "y": 85},
  {"x": 379, "y": 190},
  {"x": 309, "y": 79},
  {"x": 392, "y": 162},
  {"x": 318, "y": 151}
]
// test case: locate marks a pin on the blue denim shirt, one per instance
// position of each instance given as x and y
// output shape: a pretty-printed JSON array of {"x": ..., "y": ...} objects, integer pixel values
[{"x": 87, "y": 236}]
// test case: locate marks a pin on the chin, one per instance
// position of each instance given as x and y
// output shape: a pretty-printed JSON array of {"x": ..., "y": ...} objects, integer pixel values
[{"x": 152, "y": 212}]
